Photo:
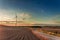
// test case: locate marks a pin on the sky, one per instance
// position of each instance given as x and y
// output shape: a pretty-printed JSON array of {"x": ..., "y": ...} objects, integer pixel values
[{"x": 38, "y": 11}]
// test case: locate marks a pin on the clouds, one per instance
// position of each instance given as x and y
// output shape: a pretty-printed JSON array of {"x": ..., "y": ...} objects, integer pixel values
[
  {"x": 6, "y": 14},
  {"x": 55, "y": 19},
  {"x": 9, "y": 15}
]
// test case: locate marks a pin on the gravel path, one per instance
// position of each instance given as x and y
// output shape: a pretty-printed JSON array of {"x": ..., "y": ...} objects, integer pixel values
[{"x": 16, "y": 34}]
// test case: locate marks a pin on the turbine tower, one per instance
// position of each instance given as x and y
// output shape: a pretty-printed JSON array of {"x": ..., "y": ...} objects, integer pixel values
[{"x": 16, "y": 18}]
